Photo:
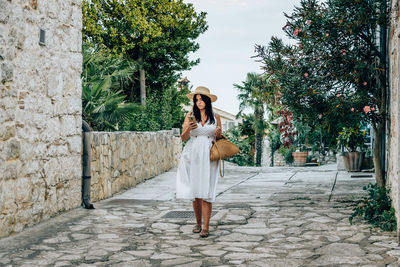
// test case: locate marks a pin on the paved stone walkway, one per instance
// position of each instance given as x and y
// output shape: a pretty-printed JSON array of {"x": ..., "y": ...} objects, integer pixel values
[{"x": 264, "y": 217}]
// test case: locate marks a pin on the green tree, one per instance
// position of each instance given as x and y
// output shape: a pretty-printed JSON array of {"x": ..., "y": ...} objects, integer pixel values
[
  {"x": 162, "y": 112},
  {"x": 336, "y": 73},
  {"x": 256, "y": 92},
  {"x": 157, "y": 35},
  {"x": 104, "y": 105},
  {"x": 243, "y": 137}
]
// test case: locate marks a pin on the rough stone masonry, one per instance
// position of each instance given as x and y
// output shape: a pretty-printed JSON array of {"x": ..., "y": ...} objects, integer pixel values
[
  {"x": 120, "y": 160},
  {"x": 40, "y": 110},
  {"x": 394, "y": 138}
]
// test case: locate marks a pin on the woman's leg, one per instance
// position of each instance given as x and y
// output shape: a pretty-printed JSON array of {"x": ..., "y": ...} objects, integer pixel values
[
  {"x": 206, "y": 210},
  {"x": 197, "y": 207}
]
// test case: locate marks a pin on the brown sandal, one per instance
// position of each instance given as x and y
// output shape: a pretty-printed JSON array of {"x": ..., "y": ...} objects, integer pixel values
[
  {"x": 196, "y": 229},
  {"x": 204, "y": 233}
]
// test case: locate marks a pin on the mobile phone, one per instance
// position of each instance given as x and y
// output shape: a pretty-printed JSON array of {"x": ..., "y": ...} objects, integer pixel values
[{"x": 192, "y": 119}]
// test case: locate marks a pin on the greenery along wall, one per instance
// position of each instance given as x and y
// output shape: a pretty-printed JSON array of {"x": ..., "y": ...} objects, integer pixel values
[{"x": 143, "y": 47}]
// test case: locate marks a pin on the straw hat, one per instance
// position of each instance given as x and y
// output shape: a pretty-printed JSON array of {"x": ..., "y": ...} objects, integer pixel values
[{"x": 202, "y": 91}]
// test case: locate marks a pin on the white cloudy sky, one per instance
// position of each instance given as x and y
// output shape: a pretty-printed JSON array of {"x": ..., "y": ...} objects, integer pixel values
[{"x": 226, "y": 48}]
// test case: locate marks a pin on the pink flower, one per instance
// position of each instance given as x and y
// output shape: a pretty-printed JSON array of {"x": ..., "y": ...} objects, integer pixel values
[
  {"x": 365, "y": 83},
  {"x": 344, "y": 53},
  {"x": 372, "y": 108},
  {"x": 308, "y": 22},
  {"x": 327, "y": 35},
  {"x": 306, "y": 74},
  {"x": 296, "y": 32},
  {"x": 318, "y": 58},
  {"x": 352, "y": 109},
  {"x": 337, "y": 95},
  {"x": 366, "y": 109}
]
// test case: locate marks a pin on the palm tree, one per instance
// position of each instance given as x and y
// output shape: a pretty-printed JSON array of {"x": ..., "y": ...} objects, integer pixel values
[
  {"x": 103, "y": 102},
  {"x": 256, "y": 92}
]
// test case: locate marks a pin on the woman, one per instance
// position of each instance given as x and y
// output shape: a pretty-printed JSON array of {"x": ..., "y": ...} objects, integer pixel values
[{"x": 197, "y": 176}]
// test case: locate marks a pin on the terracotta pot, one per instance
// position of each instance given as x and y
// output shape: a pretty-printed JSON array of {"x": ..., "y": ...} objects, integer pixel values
[
  {"x": 353, "y": 161},
  {"x": 299, "y": 158}
]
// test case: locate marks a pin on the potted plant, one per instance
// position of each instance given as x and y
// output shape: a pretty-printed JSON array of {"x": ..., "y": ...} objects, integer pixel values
[
  {"x": 300, "y": 139},
  {"x": 353, "y": 140},
  {"x": 300, "y": 156}
]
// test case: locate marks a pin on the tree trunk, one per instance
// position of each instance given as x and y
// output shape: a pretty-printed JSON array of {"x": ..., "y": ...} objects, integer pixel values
[
  {"x": 258, "y": 114},
  {"x": 258, "y": 148},
  {"x": 379, "y": 169},
  {"x": 142, "y": 79}
]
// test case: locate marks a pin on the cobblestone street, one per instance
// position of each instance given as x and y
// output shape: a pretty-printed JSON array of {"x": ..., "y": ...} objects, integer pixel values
[{"x": 263, "y": 217}]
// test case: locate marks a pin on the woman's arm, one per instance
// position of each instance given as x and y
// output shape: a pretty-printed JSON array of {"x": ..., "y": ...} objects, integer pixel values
[
  {"x": 187, "y": 127},
  {"x": 218, "y": 131}
]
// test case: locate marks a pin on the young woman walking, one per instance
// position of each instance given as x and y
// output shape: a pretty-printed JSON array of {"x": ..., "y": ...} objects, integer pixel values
[{"x": 197, "y": 176}]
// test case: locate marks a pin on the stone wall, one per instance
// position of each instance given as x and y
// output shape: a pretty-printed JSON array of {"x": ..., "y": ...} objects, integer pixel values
[
  {"x": 279, "y": 160},
  {"x": 394, "y": 138},
  {"x": 266, "y": 153},
  {"x": 121, "y": 160},
  {"x": 40, "y": 111}
]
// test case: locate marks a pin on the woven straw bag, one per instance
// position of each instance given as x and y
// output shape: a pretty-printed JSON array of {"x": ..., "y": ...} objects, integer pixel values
[{"x": 221, "y": 149}]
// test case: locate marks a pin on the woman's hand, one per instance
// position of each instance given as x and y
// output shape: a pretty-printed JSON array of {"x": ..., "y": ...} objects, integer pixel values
[
  {"x": 192, "y": 126},
  {"x": 187, "y": 127},
  {"x": 218, "y": 131}
]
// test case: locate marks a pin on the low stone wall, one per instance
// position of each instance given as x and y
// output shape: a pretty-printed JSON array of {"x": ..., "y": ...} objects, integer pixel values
[{"x": 121, "y": 160}]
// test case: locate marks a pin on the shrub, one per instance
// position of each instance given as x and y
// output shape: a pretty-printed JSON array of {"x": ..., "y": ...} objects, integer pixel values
[
  {"x": 376, "y": 208},
  {"x": 245, "y": 157},
  {"x": 161, "y": 112},
  {"x": 287, "y": 154}
]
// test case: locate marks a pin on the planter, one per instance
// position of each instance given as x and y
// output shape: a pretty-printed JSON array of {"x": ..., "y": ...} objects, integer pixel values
[
  {"x": 299, "y": 158},
  {"x": 353, "y": 161},
  {"x": 340, "y": 163},
  {"x": 367, "y": 163}
]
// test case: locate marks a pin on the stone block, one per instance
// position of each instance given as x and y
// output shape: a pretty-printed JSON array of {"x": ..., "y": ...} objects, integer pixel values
[
  {"x": 7, "y": 72},
  {"x": 23, "y": 189},
  {"x": 55, "y": 84},
  {"x": 68, "y": 125},
  {"x": 8, "y": 170},
  {"x": 7, "y": 131},
  {"x": 12, "y": 149},
  {"x": 57, "y": 150},
  {"x": 7, "y": 197},
  {"x": 73, "y": 105},
  {"x": 30, "y": 167},
  {"x": 75, "y": 144},
  {"x": 39, "y": 120},
  {"x": 52, "y": 131},
  {"x": 51, "y": 170},
  {"x": 4, "y": 12}
]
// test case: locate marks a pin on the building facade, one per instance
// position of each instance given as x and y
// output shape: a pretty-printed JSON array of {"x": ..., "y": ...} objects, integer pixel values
[
  {"x": 393, "y": 173},
  {"x": 40, "y": 110}
]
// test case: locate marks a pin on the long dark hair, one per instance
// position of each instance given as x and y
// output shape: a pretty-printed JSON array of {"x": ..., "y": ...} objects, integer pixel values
[{"x": 209, "y": 111}]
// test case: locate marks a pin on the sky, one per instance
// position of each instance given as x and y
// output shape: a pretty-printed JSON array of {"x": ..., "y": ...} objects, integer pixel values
[{"x": 226, "y": 48}]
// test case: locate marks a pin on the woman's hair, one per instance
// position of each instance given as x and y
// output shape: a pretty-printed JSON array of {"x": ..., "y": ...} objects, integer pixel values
[{"x": 209, "y": 111}]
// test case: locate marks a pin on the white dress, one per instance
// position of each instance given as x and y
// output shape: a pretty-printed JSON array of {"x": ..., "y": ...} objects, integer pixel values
[{"x": 197, "y": 176}]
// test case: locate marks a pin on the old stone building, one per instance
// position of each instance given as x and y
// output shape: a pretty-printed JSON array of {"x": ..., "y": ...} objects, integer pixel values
[
  {"x": 40, "y": 110},
  {"x": 394, "y": 137}
]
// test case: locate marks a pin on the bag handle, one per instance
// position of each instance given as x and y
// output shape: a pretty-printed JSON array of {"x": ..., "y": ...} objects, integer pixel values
[
  {"x": 223, "y": 168},
  {"x": 220, "y": 161}
]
